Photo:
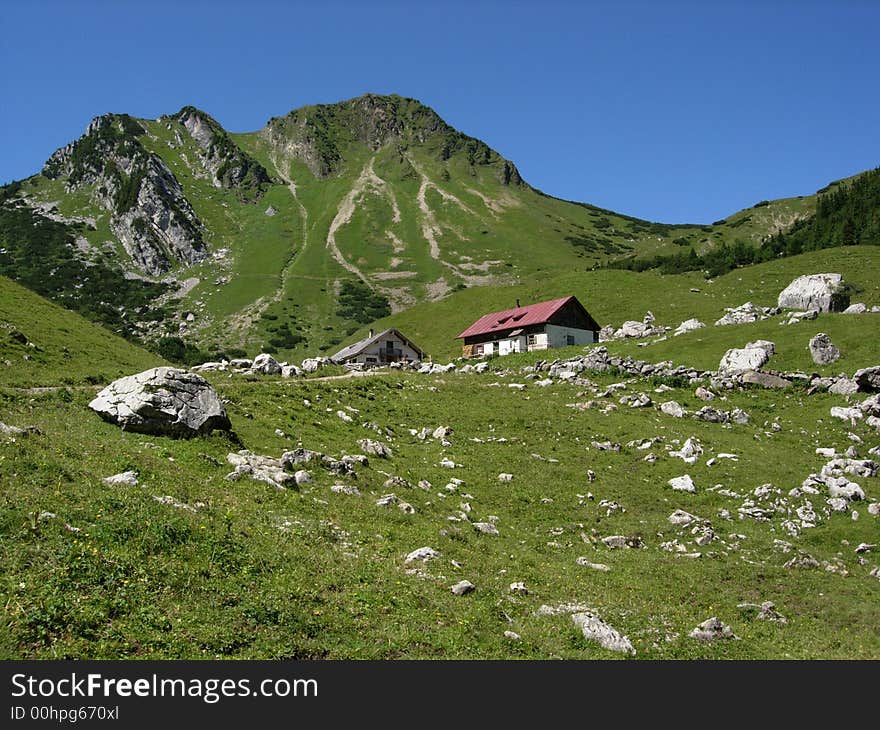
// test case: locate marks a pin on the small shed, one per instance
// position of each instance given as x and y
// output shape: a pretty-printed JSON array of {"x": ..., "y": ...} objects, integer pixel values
[{"x": 388, "y": 346}]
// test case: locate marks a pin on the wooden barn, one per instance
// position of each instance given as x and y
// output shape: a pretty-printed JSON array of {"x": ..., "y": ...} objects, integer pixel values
[
  {"x": 541, "y": 326},
  {"x": 380, "y": 349}
]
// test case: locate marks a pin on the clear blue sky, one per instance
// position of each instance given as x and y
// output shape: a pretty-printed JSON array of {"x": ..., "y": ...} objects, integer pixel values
[{"x": 671, "y": 111}]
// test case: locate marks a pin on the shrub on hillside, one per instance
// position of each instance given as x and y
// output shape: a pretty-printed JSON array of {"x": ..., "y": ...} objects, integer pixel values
[{"x": 360, "y": 303}]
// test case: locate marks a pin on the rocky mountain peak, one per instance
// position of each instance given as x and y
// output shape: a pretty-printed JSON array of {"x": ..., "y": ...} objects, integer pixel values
[
  {"x": 149, "y": 213},
  {"x": 84, "y": 160},
  {"x": 227, "y": 164},
  {"x": 318, "y": 135}
]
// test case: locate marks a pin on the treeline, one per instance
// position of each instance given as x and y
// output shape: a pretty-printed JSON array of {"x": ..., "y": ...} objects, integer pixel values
[
  {"x": 39, "y": 253},
  {"x": 846, "y": 215},
  {"x": 721, "y": 259},
  {"x": 360, "y": 303},
  {"x": 175, "y": 350}
]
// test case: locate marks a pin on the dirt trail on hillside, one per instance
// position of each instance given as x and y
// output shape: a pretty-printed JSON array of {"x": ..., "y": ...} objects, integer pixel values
[
  {"x": 243, "y": 320},
  {"x": 494, "y": 205},
  {"x": 304, "y": 217},
  {"x": 366, "y": 180},
  {"x": 430, "y": 228},
  {"x": 397, "y": 245},
  {"x": 378, "y": 183}
]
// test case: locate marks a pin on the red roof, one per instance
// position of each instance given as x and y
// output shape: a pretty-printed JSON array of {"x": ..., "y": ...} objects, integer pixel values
[{"x": 516, "y": 318}]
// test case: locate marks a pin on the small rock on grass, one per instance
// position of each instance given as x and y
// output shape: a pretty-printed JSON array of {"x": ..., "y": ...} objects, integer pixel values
[
  {"x": 712, "y": 629},
  {"x": 585, "y": 562},
  {"x": 487, "y": 528},
  {"x": 375, "y": 448},
  {"x": 595, "y": 629},
  {"x": 682, "y": 518},
  {"x": 672, "y": 408},
  {"x": 302, "y": 477},
  {"x": 463, "y": 587},
  {"x": 765, "y": 612},
  {"x": 423, "y": 553},
  {"x": 123, "y": 479},
  {"x": 682, "y": 484},
  {"x": 623, "y": 541}
]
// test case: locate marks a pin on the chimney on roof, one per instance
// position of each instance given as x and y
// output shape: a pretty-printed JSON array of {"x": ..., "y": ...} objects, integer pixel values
[{"x": 517, "y": 303}]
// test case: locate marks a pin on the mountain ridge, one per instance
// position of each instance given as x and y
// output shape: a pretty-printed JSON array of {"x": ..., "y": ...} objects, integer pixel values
[{"x": 258, "y": 232}]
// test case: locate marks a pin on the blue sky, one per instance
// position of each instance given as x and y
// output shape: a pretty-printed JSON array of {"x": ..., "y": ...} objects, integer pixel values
[{"x": 670, "y": 111}]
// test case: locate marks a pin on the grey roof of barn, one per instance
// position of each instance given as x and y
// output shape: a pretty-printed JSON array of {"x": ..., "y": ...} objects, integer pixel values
[{"x": 346, "y": 353}]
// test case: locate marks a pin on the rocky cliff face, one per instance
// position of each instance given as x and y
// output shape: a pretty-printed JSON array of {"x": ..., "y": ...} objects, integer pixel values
[
  {"x": 148, "y": 210},
  {"x": 228, "y": 165}
]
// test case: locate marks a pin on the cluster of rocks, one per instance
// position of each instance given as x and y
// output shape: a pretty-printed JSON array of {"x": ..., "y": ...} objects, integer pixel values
[
  {"x": 289, "y": 468},
  {"x": 738, "y": 370},
  {"x": 814, "y": 293},
  {"x": 428, "y": 368},
  {"x": 834, "y": 477},
  {"x": 795, "y": 317},
  {"x": 264, "y": 364},
  {"x": 633, "y": 330},
  {"x": 745, "y": 313},
  {"x": 806, "y": 295},
  {"x": 868, "y": 409}
]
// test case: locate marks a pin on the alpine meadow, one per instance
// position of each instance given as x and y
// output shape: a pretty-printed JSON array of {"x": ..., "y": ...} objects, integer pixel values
[{"x": 189, "y": 473}]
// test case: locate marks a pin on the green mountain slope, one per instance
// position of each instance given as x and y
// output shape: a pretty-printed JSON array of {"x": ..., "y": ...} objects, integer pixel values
[
  {"x": 43, "y": 344},
  {"x": 250, "y": 241},
  {"x": 613, "y": 296}
]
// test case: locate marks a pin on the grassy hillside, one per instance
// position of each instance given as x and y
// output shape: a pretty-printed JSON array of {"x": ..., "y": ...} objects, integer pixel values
[
  {"x": 240, "y": 569},
  {"x": 613, "y": 296},
  {"x": 247, "y": 571},
  {"x": 42, "y": 344}
]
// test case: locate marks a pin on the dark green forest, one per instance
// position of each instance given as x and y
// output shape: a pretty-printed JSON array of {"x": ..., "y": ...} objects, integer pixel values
[
  {"x": 847, "y": 214},
  {"x": 36, "y": 252}
]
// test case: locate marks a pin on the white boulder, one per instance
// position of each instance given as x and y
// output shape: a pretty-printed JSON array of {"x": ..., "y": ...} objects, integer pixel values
[
  {"x": 823, "y": 292},
  {"x": 162, "y": 401}
]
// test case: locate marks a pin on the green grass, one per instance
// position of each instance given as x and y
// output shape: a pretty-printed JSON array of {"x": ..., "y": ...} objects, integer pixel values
[
  {"x": 261, "y": 573},
  {"x": 67, "y": 349},
  {"x": 614, "y": 296},
  {"x": 704, "y": 348}
]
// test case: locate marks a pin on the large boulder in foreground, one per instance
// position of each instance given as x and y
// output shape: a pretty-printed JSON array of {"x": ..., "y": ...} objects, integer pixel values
[
  {"x": 822, "y": 292},
  {"x": 162, "y": 401}
]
